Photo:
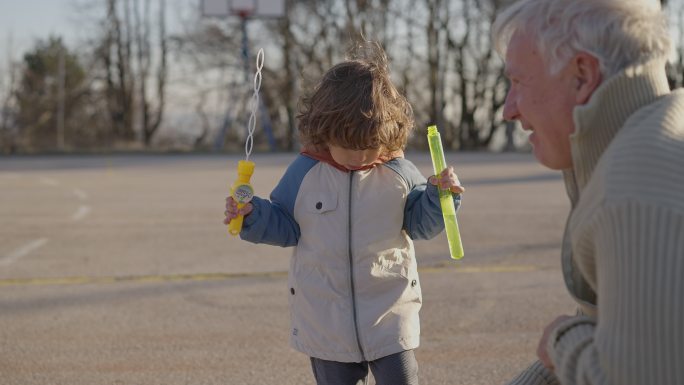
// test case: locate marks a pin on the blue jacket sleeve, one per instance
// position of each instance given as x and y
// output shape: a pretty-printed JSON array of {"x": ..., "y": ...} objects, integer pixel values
[
  {"x": 422, "y": 211},
  {"x": 272, "y": 221}
]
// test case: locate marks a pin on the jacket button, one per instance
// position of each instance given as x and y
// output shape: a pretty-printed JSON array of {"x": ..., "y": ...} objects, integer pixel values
[
  {"x": 319, "y": 205},
  {"x": 414, "y": 283},
  {"x": 292, "y": 291}
]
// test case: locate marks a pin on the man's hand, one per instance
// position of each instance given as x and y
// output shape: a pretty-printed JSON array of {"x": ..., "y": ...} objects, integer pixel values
[
  {"x": 232, "y": 210},
  {"x": 447, "y": 179},
  {"x": 541, "y": 349}
]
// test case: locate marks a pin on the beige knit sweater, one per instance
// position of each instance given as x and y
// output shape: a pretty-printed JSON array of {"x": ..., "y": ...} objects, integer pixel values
[{"x": 623, "y": 250}]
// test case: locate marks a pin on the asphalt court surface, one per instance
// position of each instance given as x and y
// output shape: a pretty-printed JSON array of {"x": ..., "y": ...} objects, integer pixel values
[{"x": 118, "y": 270}]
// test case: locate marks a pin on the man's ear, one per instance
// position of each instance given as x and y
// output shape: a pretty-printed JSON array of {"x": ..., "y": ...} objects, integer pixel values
[{"x": 587, "y": 73}]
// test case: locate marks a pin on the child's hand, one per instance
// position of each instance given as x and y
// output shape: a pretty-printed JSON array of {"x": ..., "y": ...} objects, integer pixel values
[
  {"x": 447, "y": 180},
  {"x": 232, "y": 210}
]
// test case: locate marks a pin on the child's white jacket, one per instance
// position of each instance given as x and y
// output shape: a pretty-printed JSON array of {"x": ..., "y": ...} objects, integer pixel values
[{"x": 353, "y": 283}]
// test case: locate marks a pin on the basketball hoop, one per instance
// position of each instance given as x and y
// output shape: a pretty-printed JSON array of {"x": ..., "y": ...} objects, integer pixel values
[
  {"x": 246, "y": 10},
  {"x": 243, "y": 13},
  {"x": 243, "y": 8}
]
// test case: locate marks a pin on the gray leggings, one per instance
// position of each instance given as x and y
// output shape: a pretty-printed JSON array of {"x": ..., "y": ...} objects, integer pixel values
[{"x": 396, "y": 369}]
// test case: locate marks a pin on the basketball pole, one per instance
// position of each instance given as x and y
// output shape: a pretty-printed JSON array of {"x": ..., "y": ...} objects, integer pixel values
[{"x": 245, "y": 45}]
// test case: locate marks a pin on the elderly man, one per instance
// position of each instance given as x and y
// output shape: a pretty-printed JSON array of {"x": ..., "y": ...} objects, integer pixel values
[{"x": 587, "y": 80}]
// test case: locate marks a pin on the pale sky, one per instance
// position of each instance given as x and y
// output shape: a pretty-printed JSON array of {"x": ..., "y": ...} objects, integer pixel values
[{"x": 24, "y": 21}]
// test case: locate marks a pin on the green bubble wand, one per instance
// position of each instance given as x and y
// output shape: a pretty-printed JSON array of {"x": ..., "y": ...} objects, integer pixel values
[{"x": 445, "y": 198}]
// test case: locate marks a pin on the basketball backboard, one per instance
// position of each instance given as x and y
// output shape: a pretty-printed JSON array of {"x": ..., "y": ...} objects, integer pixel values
[{"x": 243, "y": 8}]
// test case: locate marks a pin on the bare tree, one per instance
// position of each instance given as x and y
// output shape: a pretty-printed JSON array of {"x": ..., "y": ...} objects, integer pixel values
[
  {"x": 287, "y": 85},
  {"x": 115, "y": 54},
  {"x": 150, "y": 116},
  {"x": 314, "y": 46},
  {"x": 440, "y": 53},
  {"x": 441, "y": 58},
  {"x": 675, "y": 68},
  {"x": 127, "y": 54},
  {"x": 435, "y": 57},
  {"x": 479, "y": 77},
  {"x": 8, "y": 87}
]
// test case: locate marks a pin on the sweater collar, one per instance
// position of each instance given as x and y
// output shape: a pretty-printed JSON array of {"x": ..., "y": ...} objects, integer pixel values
[{"x": 598, "y": 121}]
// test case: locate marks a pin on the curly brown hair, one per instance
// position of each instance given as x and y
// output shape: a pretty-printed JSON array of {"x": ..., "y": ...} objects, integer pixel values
[{"x": 356, "y": 106}]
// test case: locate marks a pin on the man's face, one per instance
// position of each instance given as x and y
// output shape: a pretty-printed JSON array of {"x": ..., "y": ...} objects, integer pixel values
[{"x": 543, "y": 103}]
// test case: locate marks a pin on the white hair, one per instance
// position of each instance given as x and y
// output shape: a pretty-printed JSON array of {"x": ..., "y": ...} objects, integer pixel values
[{"x": 619, "y": 33}]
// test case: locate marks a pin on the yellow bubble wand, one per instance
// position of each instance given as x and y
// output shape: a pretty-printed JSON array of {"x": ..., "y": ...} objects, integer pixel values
[
  {"x": 242, "y": 190},
  {"x": 445, "y": 198}
]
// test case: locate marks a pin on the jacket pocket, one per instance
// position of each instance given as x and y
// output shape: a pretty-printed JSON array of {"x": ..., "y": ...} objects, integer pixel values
[
  {"x": 318, "y": 202},
  {"x": 395, "y": 262},
  {"x": 400, "y": 269}
]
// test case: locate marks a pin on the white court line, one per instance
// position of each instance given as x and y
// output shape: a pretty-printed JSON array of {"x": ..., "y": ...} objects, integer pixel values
[
  {"x": 80, "y": 194},
  {"x": 22, "y": 251},
  {"x": 49, "y": 181},
  {"x": 81, "y": 213}
]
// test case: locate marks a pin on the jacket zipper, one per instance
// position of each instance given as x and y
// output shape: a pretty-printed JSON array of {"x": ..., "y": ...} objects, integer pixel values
[{"x": 351, "y": 267}]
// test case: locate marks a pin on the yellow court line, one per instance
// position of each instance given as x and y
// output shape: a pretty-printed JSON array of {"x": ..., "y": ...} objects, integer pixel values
[
  {"x": 132, "y": 279},
  {"x": 483, "y": 268},
  {"x": 47, "y": 281}
]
